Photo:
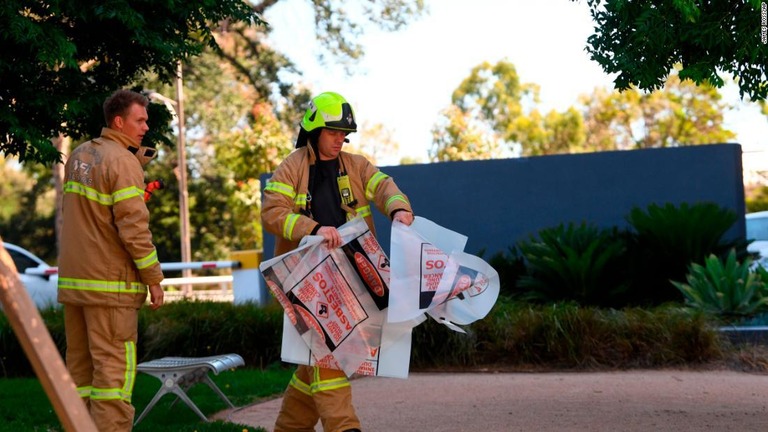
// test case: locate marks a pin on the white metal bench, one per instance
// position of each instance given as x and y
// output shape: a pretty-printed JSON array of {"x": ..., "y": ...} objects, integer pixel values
[{"x": 178, "y": 374}]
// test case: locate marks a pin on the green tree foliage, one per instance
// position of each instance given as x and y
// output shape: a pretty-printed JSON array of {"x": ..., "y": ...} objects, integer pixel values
[
  {"x": 757, "y": 200},
  {"x": 13, "y": 185},
  {"x": 642, "y": 41},
  {"x": 247, "y": 154},
  {"x": 681, "y": 113},
  {"x": 491, "y": 106},
  {"x": 243, "y": 102},
  {"x": 60, "y": 59},
  {"x": 339, "y": 23},
  {"x": 29, "y": 219},
  {"x": 553, "y": 133},
  {"x": 493, "y": 114},
  {"x": 230, "y": 73},
  {"x": 457, "y": 136}
]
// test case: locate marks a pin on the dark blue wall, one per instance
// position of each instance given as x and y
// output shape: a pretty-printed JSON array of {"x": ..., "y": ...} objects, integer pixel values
[{"x": 499, "y": 202}]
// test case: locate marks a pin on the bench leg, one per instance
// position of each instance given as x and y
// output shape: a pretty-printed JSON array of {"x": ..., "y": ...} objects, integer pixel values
[
  {"x": 183, "y": 396},
  {"x": 151, "y": 404},
  {"x": 180, "y": 394},
  {"x": 216, "y": 389}
]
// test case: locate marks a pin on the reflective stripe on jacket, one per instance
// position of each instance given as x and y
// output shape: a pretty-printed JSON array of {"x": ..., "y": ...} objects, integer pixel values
[
  {"x": 106, "y": 253},
  {"x": 285, "y": 196}
]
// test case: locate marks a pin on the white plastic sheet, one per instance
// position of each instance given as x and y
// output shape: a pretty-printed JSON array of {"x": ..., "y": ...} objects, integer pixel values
[
  {"x": 353, "y": 309},
  {"x": 431, "y": 274},
  {"x": 336, "y": 301}
]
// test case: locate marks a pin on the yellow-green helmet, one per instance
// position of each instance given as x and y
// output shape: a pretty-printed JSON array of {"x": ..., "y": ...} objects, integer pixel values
[{"x": 327, "y": 110}]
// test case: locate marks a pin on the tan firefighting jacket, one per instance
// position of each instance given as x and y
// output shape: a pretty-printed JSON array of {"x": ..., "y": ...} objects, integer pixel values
[
  {"x": 106, "y": 255},
  {"x": 285, "y": 196}
]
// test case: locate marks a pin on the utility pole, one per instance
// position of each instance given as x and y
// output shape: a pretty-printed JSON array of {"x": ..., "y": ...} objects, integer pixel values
[
  {"x": 176, "y": 107},
  {"x": 186, "y": 249}
]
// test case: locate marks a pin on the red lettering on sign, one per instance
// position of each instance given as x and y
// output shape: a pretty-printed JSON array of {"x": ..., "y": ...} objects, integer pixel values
[
  {"x": 335, "y": 331},
  {"x": 309, "y": 319},
  {"x": 367, "y": 368},
  {"x": 431, "y": 281},
  {"x": 283, "y": 300},
  {"x": 370, "y": 277},
  {"x": 434, "y": 264}
]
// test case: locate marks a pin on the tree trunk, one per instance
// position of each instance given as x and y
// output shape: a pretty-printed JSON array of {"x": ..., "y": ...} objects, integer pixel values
[{"x": 62, "y": 144}]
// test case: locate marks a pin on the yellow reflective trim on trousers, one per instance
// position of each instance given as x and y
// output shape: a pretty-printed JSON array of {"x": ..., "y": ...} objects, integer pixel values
[
  {"x": 147, "y": 260},
  {"x": 327, "y": 385},
  {"x": 84, "y": 392},
  {"x": 319, "y": 385},
  {"x": 130, "y": 370},
  {"x": 101, "y": 286},
  {"x": 373, "y": 183},
  {"x": 109, "y": 394},
  {"x": 282, "y": 188},
  {"x": 289, "y": 224},
  {"x": 394, "y": 198},
  {"x": 126, "y": 392},
  {"x": 300, "y": 385}
]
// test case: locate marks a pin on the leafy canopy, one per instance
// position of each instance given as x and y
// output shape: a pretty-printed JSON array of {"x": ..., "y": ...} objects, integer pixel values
[
  {"x": 62, "y": 58},
  {"x": 643, "y": 40},
  {"x": 492, "y": 111}
]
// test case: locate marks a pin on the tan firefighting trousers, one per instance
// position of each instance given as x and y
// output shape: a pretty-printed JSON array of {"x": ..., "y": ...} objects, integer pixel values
[
  {"x": 317, "y": 393},
  {"x": 101, "y": 357}
]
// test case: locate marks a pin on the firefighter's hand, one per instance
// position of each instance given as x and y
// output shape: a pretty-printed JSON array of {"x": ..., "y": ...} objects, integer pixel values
[
  {"x": 155, "y": 296},
  {"x": 404, "y": 217},
  {"x": 331, "y": 236}
]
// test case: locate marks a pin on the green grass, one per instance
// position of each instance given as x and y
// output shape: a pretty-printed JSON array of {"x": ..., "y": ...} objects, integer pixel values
[{"x": 24, "y": 405}]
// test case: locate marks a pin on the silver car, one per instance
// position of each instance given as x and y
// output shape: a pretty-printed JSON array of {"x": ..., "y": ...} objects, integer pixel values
[
  {"x": 757, "y": 230},
  {"x": 38, "y": 277}
]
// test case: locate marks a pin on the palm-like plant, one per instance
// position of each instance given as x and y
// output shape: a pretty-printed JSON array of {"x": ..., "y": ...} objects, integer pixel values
[
  {"x": 667, "y": 239},
  {"x": 728, "y": 289},
  {"x": 579, "y": 263}
]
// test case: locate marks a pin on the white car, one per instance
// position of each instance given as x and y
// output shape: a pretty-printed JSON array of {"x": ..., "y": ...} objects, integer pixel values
[
  {"x": 757, "y": 230},
  {"x": 39, "y": 278}
]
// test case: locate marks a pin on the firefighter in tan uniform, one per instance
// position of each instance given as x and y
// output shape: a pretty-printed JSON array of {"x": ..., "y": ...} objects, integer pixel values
[
  {"x": 314, "y": 191},
  {"x": 107, "y": 260}
]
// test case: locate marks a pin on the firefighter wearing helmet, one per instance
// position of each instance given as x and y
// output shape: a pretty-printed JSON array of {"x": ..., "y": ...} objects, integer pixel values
[{"x": 316, "y": 189}]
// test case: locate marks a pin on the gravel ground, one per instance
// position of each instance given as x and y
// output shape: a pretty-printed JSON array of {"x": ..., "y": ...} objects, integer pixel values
[{"x": 654, "y": 400}]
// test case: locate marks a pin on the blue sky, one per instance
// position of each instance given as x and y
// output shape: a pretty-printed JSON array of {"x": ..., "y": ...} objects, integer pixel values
[{"x": 407, "y": 77}]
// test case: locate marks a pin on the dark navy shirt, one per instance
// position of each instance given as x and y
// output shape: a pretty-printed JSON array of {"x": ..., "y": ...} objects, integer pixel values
[{"x": 324, "y": 190}]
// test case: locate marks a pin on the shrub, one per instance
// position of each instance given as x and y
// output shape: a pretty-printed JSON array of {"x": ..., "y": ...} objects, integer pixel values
[
  {"x": 514, "y": 335},
  {"x": 520, "y": 336},
  {"x": 511, "y": 267},
  {"x": 728, "y": 289},
  {"x": 13, "y": 360},
  {"x": 199, "y": 329},
  {"x": 188, "y": 329},
  {"x": 666, "y": 240},
  {"x": 580, "y": 263}
]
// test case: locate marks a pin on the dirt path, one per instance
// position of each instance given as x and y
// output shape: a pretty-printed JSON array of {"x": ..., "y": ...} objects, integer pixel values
[{"x": 666, "y": 400}]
